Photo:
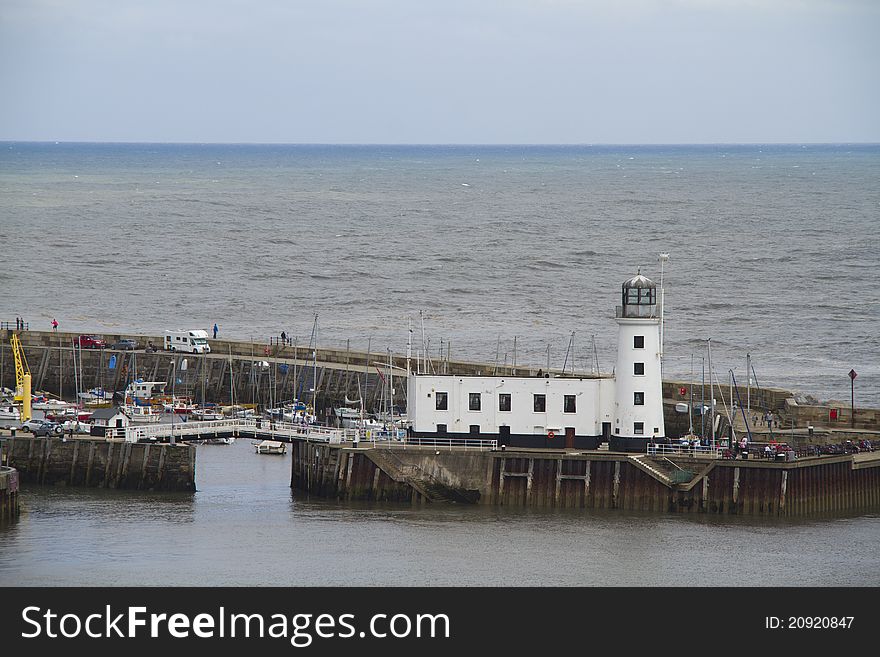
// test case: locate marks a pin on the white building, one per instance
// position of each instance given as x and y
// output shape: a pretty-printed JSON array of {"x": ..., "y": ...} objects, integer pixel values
[{"x": 624, "y": 409}]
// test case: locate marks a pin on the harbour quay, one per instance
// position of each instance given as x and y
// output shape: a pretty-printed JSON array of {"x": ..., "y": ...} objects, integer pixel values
[
  {"x": 100, "y": 463},
  {"x": 807, "y": 487},
  {"x": 9, "y": 508}
]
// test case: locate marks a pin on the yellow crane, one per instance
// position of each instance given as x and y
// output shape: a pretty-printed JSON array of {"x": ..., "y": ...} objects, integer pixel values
[{"x": 22, "y": 378}]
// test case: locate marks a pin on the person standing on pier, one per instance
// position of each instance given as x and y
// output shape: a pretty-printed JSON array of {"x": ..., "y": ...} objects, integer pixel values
[
  {"x": 283, "y": 337},
  {"x": 54, "y": 325},
  {"x": 215, "y": 330}
]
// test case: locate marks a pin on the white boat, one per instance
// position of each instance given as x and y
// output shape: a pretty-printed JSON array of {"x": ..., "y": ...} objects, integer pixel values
[
  {"x": 141, "y": 414},
  {"x": 96, "y": 395},
  {"x": 228, "y": 440},
  {"x": 143, "y": 392},
  {"x": 206, "y": 414},
  {"x": 270, "y": 447},
  {"x": 51, "y": 405},
  {"x": 9, "y": 416},
  {"x": 179, "y": 407}
]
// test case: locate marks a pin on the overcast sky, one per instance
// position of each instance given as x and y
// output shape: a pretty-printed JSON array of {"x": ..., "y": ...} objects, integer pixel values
[{"x": 440, "y": 71}]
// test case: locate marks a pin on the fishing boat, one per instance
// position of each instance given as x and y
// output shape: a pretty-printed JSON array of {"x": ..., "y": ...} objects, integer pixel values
[
  {"x": 145, "y": 393},
  {"x": 141, "y": 414},
  {"x": 270, "y": 447},
  {"x": 179, "y": 407}
]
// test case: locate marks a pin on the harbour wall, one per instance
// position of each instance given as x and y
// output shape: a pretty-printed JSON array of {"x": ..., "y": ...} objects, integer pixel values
[
  {"x": 235, "y": 369},
  {"x": 808, "y": 487},
  {"x": 101, "y": 463},
  {"x": 9, "y": 508}
]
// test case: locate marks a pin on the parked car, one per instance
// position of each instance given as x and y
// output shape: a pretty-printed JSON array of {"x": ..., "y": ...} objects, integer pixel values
[
  {"x": 89, "y": 342},
  {"x": 75, "y": 426},
  {"x": 41, "y": 427},
  {"x": 125, "y": 343}
]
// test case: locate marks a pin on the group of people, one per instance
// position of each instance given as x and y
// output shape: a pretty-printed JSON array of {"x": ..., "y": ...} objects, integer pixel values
[{"x": 769, "y": 420}]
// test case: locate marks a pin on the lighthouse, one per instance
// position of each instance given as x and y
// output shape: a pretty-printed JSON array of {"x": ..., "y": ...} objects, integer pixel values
[{"x": 638, "y": 391}]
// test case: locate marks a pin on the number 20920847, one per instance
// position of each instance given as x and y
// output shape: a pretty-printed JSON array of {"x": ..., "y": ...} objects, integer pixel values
[{"x": 808, "y": 622}]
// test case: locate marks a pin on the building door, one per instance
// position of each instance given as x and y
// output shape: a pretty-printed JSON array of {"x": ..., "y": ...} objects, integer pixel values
[
  {"x": 606, "y": 432},
  {"x": 503, "y": 435},
  {"x": 569, "y": 437}
]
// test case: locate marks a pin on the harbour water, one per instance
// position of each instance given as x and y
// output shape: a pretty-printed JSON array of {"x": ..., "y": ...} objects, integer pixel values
[
  {"x": 245, "y": 526},
  {"x": 772, "y": 249}
]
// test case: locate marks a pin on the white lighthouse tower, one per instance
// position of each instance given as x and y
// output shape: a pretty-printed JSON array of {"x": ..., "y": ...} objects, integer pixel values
[{"x": 638, "y": 390}]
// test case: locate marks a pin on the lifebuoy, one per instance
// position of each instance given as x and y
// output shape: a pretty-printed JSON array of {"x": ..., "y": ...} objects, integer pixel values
[{"x": 550, "y": 434}]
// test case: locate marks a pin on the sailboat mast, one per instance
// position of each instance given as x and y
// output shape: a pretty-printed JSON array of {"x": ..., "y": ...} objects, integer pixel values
[
  {"x": 409, "y": 346},
  {"x": 390, "y": 388},
  {"x": 749, "y": 384},
  {"x": 711, "y": 394},
  {"x": 76, "y": 379},
  {"x": 691, "y": 404},
  {"x": 231, "y": 382},
  {"x": 295, "y": 391},
  {"x": 315, "y": 362}
]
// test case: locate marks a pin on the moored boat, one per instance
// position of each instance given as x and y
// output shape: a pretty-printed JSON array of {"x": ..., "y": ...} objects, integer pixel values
[{"x": 270, "y": 447}]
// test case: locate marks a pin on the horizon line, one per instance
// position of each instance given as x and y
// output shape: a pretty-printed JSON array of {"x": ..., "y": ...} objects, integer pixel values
[{"x": 482, "y": 144}]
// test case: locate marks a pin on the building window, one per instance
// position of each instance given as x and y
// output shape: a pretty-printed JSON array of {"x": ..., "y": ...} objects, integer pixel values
[
  {"x": 568, "y": 404},
  {"x": 442, "y": 401},
  {"x": 656, "y": 430},
  {"x": 475, "y": 429},
  {"x": 638, "y": 342},
  {"x": 504, "y": 401},
  {"x": 540, "y": 403},
  {"x": 639, "y": 369},
  {"x": 639, "y": 398},
  {"x": 441, "y": 428},
  {"x": 639, "y": 428},
  {"x": 474, "y": 401}
]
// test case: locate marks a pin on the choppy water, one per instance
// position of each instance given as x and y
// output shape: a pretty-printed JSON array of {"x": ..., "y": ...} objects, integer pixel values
[
  {"x": 773, "y": 249},
  {"x": 245, "y": 527}
]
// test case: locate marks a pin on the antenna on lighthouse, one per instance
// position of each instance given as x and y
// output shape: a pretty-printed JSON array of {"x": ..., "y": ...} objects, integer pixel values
[{"x": 663, "y": 258}]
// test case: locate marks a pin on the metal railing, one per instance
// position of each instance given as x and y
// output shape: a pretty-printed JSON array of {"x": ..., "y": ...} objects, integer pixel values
[
  {"x": 637, "y": 311},
  {"x": 289, "y": 430},
  {"x": 216, "y": 428},
  {"x": 458, "y": 443},
  {"x": 684, "y": 450}
]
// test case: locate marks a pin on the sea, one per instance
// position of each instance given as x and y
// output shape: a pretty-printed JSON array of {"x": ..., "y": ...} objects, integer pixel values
[{"x": 502, "y": 254}]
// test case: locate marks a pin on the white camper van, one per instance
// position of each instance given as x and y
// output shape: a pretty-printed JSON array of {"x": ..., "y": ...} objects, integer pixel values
[{"x": 194, "y": 341}]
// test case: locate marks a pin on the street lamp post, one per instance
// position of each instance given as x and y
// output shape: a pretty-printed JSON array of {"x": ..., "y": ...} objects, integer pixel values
[
  {"x": 852, "y": 390},
  {"x": 663, "y": 258}
]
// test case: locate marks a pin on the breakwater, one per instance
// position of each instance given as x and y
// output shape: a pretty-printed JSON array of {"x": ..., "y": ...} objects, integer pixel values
[
  {"x": 9, "y": 508},
  {"x": 101, "y": 463},
  {"x": 263, "y": 373},
  {"x": 806, "y": 487}
]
